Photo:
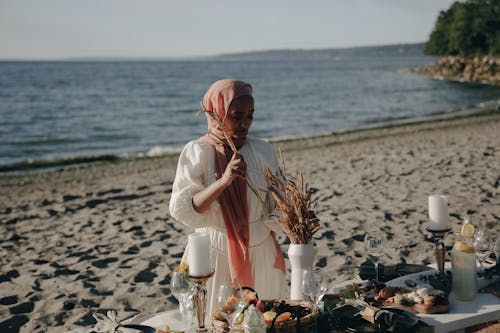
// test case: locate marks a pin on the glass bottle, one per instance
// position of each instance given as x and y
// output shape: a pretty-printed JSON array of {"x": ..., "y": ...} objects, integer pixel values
[
  {"x": 463, "y": 262},
  {"x": 254, "y": 321}
]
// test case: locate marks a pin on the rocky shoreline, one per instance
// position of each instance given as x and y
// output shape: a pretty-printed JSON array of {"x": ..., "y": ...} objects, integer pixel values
[{"x": 484, "y": 69}]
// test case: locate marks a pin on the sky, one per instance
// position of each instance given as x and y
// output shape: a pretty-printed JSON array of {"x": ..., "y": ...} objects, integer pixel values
[{"x": 59, "y": 29}]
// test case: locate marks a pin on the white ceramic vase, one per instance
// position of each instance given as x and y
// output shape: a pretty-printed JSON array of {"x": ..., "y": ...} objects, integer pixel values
[{"x": 301, "y": 256}]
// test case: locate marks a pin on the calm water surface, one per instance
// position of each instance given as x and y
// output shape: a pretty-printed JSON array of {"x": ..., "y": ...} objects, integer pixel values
[{"x": 51, "y": 111}]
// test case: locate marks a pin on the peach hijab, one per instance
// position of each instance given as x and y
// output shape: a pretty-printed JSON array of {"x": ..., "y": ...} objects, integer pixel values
[{"x": 233, "y": 200}]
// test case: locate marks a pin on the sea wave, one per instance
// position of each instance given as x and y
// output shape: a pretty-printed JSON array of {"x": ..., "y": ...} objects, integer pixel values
[
  {"x": 37, "y": 164},
  {"x": 160, "y": 151},
  {"x": 50, "y": 163}
]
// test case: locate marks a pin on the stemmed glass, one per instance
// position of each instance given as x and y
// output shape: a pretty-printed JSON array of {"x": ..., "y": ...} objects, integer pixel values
[
  {"x": 183, "y": 290},
  {"x": 496, "y": 249},
  {"x": 229, "y": 302},
  {"x": 482, "y": 247},
  {"x": 374, "y": 249},
  {"x": 314, "y": 285}
]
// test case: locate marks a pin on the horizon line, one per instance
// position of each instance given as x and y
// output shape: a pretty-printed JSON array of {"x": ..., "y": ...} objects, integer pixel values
[{"x": 193, "y": 57}]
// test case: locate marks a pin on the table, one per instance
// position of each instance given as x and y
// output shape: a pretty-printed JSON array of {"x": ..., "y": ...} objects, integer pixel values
[{"x": 485, "y": 308}]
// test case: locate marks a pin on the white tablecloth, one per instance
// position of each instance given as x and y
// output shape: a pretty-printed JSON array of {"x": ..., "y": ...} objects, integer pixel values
[
  {"x": 171, "y": 318},
  {"x": 485, "y": 308}
]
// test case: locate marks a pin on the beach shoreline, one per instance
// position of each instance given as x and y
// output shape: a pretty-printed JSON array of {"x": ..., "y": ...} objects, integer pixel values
[
  {"x": 96, "y": 236},
  {"x": 34, "y": 166}
]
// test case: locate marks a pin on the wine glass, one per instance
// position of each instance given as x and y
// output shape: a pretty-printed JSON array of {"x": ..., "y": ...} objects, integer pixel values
[
  {"x": 183, "y": 290},
  {"x": 482, "y": 247},
  {"x": 496, "y": 249},
  {"x": 314, "y": 285},
  {"x": 229, "y": 302},
  {"x": 374, "y": 249}
]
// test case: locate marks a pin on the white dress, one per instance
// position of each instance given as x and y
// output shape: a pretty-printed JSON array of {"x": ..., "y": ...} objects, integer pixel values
[{"x": 195, "y": 171}]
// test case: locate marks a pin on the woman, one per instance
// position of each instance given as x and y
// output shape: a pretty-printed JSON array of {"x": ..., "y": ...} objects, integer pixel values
[{"x": 224, "y": 194}]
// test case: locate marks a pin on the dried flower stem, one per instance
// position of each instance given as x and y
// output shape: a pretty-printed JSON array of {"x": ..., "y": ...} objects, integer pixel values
[
  {"x": 219, "y": 121},
  {"x": 298, "y": 220}
]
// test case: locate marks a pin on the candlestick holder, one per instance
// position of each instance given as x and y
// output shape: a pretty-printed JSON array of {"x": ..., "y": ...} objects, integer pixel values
[
  {"x": 200, "y": 299},
  {"x": 438, "y": 237}
]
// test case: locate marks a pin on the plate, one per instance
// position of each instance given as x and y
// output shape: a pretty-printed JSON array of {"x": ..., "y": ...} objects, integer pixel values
[
  {"x": 415, "y": 277},
  {"x": 141, "y": 328},
  {"x": 160, "y": 320},
  {"x": 420, "y": 308},
  {"x": 400, "y": 281}
]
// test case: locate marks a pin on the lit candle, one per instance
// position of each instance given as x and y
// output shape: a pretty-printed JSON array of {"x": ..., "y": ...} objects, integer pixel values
[
  {"x": 438, "y": 212},
  {"x": 199, "y": 254}
]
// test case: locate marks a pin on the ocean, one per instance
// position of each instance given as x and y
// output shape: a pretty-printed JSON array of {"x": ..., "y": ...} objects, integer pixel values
[{"x": 61, "y": 112}]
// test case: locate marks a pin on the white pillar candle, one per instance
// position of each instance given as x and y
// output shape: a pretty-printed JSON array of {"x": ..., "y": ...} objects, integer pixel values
[
  {"x": 199, "y": 254},
  {"x": 438, "y": 212}
]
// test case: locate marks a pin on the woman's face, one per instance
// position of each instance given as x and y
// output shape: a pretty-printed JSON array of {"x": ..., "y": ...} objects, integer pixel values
[{"x": 239, "y": 119}]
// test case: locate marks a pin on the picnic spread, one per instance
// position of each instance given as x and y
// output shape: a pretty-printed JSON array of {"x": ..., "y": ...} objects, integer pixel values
[{"x": 383, "y": 298}]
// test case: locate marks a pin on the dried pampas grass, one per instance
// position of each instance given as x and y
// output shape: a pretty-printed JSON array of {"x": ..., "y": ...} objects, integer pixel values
[{"x": 298, "y": 220}]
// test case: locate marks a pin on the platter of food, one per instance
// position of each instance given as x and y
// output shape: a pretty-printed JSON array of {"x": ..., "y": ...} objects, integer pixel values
[
  {"x": 425, "y": 292},
  {"x": 359, "y": 308},
  {"x": 280, "y": 315},
  {"x": 422, "y": 299}
]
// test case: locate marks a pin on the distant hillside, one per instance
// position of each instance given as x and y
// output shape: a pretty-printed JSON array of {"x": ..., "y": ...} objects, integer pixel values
[
  {"x": 394, "y": 50},
  {"x": 415, "y": 49}
]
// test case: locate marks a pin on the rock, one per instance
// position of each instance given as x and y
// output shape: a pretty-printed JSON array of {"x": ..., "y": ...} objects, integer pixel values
[{"x": 456, "y": 68}]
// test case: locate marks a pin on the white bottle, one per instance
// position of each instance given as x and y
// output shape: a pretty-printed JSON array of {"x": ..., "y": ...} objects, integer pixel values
[
  {"x": 254, "y": 321},
  {"x": 463, "y": 261}
]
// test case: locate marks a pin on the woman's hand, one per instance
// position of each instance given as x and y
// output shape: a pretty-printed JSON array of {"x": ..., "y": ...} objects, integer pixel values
[{"x": 236, "y": 168}]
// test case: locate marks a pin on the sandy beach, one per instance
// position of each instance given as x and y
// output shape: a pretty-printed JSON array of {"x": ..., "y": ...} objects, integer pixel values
[{"x": 99, "y": 236}]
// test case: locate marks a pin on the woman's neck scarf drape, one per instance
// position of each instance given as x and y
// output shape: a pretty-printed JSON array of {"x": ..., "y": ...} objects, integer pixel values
[{"x": 233, "y": 200}]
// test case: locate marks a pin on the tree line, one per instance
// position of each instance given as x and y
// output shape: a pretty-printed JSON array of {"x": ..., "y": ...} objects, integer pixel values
[{"x": 468, "y": 28}]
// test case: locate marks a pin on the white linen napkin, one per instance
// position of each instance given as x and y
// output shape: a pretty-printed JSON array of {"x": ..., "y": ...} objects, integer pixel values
[{"x": 109, "y": 324}]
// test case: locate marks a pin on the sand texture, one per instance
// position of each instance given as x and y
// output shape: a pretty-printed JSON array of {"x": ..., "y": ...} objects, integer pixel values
[{"x": 99, "y": 236}]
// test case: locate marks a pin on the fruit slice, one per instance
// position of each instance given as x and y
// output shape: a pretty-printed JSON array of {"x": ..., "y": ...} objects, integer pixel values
[
  {"x": 282, "y": 317},
  {"x": 219, "y": 316},
  {"x": 269, "y": 316},
  {"x": 467, "y": 230},
  {"x": 464, "y": 247}
]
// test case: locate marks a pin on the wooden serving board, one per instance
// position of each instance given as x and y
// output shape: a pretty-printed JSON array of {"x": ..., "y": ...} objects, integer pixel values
[{"x": 421, "y": 308}]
